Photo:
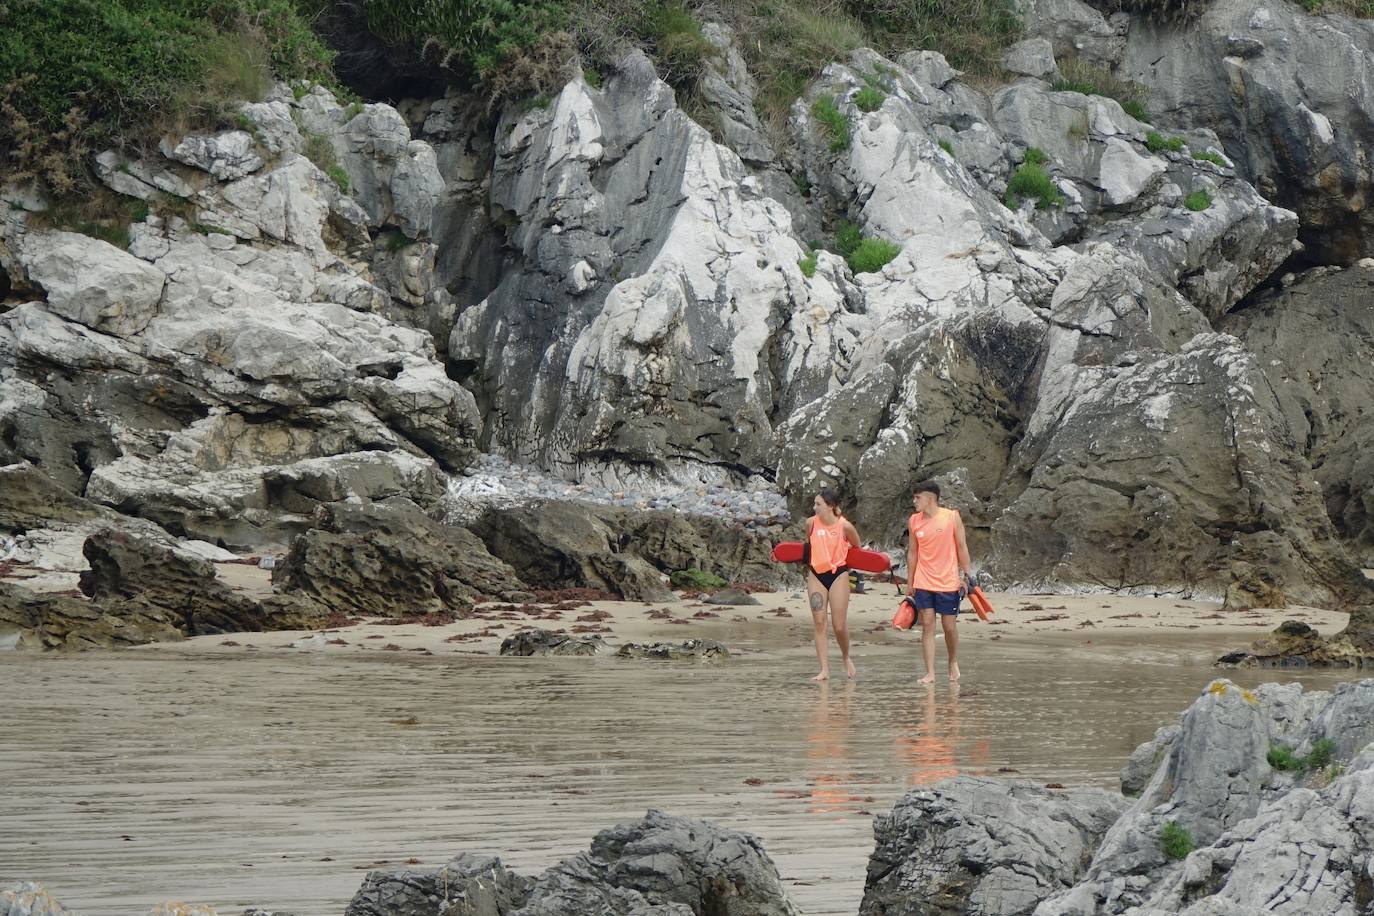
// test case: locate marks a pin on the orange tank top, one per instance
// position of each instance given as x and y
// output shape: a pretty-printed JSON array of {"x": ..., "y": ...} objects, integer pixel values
[
  {"x": 829, "y": 546},
  {"x": 937, "y": 553}
]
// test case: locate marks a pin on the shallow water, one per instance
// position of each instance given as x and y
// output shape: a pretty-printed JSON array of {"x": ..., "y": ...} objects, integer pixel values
[{"x": 277, "y": 778}]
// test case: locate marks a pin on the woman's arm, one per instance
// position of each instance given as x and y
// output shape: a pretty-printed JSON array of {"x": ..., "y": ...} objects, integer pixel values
[{"x": 852, "y": 533}]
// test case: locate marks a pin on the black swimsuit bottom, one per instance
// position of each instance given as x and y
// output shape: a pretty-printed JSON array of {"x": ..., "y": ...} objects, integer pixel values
[{"x": 827, "y": 579}]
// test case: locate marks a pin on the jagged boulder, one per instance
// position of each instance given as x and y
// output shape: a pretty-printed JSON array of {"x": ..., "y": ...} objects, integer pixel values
[
  {"x": 538, "y": 641},
  {"x": 1314, "y": 340},
  {"x": 468, "y": 885},
  {"x": 1265, "y": 839},
  {"x": 660, "y": 865},
  {"x": 129, "y": 573},
  {"x": 692, "y": 649},
  {"x": 1291, "y": 95},
  {"x": 977, "y": 845},
  {"x": 390, "y": 558},
  {"x": 25, "y": 898}
]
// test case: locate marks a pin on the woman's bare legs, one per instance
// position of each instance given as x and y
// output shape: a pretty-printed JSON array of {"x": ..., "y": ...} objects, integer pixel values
[
  {"x": 839, "y": 619},
  {"x": 816, "y": 597}
]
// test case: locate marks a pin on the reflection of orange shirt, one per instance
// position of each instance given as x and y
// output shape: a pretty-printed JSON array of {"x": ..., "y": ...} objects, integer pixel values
[
  {"x": 937, "y": 553},
  {"x": 829, "y": 546}
]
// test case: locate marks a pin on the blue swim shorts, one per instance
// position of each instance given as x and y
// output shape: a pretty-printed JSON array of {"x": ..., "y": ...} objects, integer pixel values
[{"x": 946, "y": 603}]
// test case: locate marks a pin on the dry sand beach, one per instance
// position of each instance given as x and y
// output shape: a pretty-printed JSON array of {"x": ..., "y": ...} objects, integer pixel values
[{"x": 238, "y": 770}]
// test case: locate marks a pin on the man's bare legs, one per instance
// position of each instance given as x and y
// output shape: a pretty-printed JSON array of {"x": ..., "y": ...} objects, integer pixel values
[
  {"x": 816, "y": 597},
  {"x": 928, "y": 643},
  {"x": 839, "y": 619},
  {"x": 949, "y": 623}
]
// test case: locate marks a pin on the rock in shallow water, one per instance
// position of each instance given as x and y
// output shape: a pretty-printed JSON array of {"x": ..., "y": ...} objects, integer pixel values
[
  {"x": 697, "y": 649},
  {"x": 543, "y": 642}
]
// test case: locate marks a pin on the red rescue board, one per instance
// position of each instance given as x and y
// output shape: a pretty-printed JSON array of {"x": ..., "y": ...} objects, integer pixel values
[{"x": 859, "y": 558}]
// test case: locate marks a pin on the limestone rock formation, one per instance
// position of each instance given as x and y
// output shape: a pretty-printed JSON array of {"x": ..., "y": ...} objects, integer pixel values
[
  {"x": 660, "y": 865},
  {"x": 977, "y": 845}
]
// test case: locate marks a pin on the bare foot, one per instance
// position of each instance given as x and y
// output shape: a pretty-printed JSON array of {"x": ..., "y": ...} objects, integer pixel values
[
  {"x": 849, "y": 668},
  {"x": 953, "y": 672},
  {"x": 928, "y": 679},
  {"x": 823, "y": 676}
]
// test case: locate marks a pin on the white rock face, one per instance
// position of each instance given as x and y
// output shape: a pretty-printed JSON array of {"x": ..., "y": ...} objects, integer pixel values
[
  {"x": 236, "y": 366},
  {"x": 92, "y": 282}
]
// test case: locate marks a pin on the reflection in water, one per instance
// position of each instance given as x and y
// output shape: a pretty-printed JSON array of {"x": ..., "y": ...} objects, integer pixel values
[
  {"x": 928, "y": 745},
  {"x": 827, "y": 752}
]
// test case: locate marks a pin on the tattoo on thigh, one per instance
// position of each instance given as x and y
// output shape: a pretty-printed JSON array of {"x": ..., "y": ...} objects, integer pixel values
[{"x": 817, "y": 601}]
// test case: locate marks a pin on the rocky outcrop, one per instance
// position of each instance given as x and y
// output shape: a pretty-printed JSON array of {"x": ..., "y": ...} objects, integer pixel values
[
  {"x": 976, "y": 845},
  {"x": 1291, "y": 96},
  {"x": 1256, "y": 801},
  {"x": 239, "y": 344},
  {"x": 660, "y": 865},
  {"x": 467, "y": 884},
  {"x": 556, "y": 544},
  {"x": 537, "y": 641},
  {"x": 390, "y": 558},
  {"x": 1216, "y": 784},
  {"x": 25, "y": 898},
  {"x": 692, "y": 650},
  {"x": 1314, "y": 340},
  {"x": 128, "y": 572}
]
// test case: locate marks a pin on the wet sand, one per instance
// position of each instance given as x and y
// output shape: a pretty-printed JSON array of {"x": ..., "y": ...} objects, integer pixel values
[{"x": 258, "y": 774}]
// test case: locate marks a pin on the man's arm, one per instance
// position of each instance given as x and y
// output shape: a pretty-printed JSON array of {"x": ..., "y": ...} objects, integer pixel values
[{"x": 961, "y": 546}]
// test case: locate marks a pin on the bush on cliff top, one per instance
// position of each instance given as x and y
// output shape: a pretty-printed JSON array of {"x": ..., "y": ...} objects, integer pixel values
[{"x": 77, "y": 76}]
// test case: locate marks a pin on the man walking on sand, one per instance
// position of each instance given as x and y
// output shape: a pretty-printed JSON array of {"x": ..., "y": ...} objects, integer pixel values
[{"x": 936, "y": 555}]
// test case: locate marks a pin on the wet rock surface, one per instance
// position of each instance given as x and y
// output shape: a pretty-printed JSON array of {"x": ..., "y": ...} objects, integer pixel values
[
  {"x": 545, "y": 642},
  {"x": 692, "y": 649},
  {"x": 660, "y": 865},
  {"x": 392, "y": 559}
]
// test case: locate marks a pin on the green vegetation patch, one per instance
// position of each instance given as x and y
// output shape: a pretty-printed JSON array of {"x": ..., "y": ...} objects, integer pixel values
[
  {"x": 1079, "y": 76},
  {"x": 1031, "y": 181},
  {"x": 1198, "y": 201},
  {"x": 1214, "y": 158},
  {"x": 1154, "y": 142},
  {"x": 832, "y": 121},
  {"x": 869, "y": 99},
  {"x": 808, "y": 264},
  {"x": 1175, "y": 841},
  {"x": 864, "y": 254},
  {"x": 79, "y": 76}
]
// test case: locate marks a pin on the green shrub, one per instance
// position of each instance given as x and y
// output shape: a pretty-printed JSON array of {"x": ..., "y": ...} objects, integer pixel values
[
  {"x": 847, "y": 238},
  {"x": 1281, "y": 757},
  {"x": 395, "y": 241},
  {"x": 593, "y": 77},
  {"x": 1076, "y": 75},
  {"x": 808, "y": 264},
  {"x": 871, "y": 254},
  {"x": 1175, "y": 841},
  {"x": 78, "y": 76},
  {"x": 1032, "y": 181},
  {"x": 1214, "y": 158},
  {"x": 946, "y": 146},
  {"x": 832, "y": 121},
  {"x": 1198, "y": 201},
  {"x": 869, "y": 99},
  {"x": 678, "y": 45},
  {"x": 1320, "y": 757},
  {"x": 696, "y": 579},
  {"x": 1035, "y": 156},
  {"x": 1154, "y": 142},
  {"x": 340, "y": 177},
  {"x": 1136, "y": 109},
  {"x": 803, "y": 186},
  {"x": 467, "y": 37}
]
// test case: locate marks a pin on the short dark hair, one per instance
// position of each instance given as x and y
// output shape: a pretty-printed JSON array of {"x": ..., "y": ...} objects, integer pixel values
[{"x": 926, "y": 486}]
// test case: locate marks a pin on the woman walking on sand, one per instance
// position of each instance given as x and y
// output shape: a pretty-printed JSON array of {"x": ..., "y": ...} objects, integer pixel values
[{"x": 828, "y": 539}]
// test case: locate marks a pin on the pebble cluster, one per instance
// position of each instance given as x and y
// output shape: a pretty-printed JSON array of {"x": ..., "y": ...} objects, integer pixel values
[{"x": 494, "y": 481}]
